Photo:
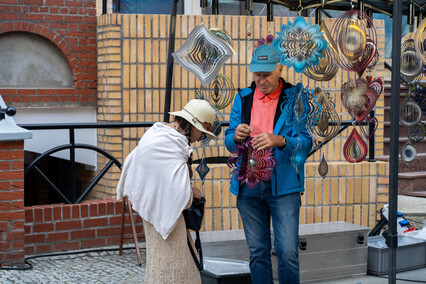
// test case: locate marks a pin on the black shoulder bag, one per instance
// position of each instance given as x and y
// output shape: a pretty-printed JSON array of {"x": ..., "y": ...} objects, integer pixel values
[{"x": 193, "y": 219}]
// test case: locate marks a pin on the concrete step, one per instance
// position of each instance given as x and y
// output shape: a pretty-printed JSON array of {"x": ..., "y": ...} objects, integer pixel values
[{"x": 412, "y": 182}]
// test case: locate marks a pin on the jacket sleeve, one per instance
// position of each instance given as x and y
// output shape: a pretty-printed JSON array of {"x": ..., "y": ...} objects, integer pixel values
[{"x": 234, "y": 120}]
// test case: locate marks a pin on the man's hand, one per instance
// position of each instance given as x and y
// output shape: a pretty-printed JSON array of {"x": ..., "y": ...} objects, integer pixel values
[
  {"x": 196, "y": 194},
  {"x": 266, "y": 140},
  {"x": 242, "y": 132}
]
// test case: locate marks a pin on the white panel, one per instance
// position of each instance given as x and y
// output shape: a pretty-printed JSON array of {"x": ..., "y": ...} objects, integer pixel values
[{"x": 44, "y": 140}]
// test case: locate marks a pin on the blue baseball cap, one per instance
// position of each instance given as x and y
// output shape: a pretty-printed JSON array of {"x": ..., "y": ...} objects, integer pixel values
[{"x": 265, "y": 59}]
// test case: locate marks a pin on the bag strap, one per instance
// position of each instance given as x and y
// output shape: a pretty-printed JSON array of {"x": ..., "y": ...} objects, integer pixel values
[{"x": 197, "y": 243}]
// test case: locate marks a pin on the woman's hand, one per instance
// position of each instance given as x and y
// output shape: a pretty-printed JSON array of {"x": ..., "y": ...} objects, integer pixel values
[{"x": 196, "y": 193}]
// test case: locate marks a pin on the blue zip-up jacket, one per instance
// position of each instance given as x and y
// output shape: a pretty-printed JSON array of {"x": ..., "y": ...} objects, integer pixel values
[{"x": 284, "y": 179}]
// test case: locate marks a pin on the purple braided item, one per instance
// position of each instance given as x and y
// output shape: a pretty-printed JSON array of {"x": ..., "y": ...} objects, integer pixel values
[{"x": 251, "y": 166}]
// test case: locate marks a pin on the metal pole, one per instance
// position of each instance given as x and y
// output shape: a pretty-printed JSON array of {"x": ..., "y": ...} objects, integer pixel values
[
  {"x": 394, "y": 138},
  {"x": 169, "y": 76},
  {"x": 269, "y": 11},
  {"x": 371, "y": 141},
  {"x": 73, "y": 189}
]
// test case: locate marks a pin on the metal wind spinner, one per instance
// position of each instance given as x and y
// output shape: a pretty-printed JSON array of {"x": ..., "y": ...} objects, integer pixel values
[
  {"x": 300, "y": 44},
  {"x": 323, "y": 120},
  {"x": 220, "y": 92},
  {"x": 203, "y": 54}
]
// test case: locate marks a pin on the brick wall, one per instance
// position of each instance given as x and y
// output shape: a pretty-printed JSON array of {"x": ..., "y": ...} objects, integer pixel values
[
  {"x": 12, "y": 203},
  {"x": 71, "y": 26},
  {"x": 60, "y": 227}
]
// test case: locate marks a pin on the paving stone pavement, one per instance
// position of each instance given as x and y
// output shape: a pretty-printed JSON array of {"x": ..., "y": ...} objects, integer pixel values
[{"x": 91, "y": 267}]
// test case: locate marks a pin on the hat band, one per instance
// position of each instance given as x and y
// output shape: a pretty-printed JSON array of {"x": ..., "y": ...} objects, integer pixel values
[{"x": 206, "y": 125}]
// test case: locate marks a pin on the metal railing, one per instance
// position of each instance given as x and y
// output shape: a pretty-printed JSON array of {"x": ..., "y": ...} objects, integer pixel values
[{"x": 73, "y": 196}]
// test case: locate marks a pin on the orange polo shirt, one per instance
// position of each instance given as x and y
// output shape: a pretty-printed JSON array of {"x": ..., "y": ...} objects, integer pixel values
[{"x": 263, "y": 111}]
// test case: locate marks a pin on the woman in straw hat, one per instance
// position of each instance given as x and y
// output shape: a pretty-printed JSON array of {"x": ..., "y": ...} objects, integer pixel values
[{"x": 156, "y": 179}]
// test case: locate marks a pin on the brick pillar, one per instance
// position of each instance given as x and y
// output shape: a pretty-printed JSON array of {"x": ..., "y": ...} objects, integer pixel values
[{"x": 12, "y": 203}]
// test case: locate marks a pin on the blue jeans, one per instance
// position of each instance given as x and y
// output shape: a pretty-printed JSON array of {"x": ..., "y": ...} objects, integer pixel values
[{"x": 256, "y": 207}]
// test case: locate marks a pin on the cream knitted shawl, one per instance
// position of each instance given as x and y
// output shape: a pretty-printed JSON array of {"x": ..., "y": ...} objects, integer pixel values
[{"x": 155, "y": 177}]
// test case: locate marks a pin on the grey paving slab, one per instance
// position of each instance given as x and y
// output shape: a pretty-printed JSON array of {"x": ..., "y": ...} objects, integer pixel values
[{"x": 94, "y": 267}]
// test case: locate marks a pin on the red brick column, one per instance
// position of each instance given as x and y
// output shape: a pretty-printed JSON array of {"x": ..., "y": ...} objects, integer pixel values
[{"x": 12, "y": 203}]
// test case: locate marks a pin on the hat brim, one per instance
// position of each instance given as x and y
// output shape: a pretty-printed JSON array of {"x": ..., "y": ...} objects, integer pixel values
[
  {"x": 258, "y": 67},
  {"x": 185, "y": 115}
]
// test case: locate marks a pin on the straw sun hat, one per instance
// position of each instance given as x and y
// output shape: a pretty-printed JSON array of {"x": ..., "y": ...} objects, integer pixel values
[{"x": 200, "y": 114}]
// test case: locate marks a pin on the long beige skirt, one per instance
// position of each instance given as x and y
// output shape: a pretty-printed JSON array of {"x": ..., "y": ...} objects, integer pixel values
[{"x": 169, "y": 261}]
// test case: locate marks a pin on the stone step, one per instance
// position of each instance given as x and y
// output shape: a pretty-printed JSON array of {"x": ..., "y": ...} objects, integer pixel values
[
  {"x": 419, "y": 163},
  {"x": 412, "y": 182},
  {"x": 420, "y": 146}
]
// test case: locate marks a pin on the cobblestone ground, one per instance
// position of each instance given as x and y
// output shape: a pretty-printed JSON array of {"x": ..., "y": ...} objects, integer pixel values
[{"x": 92, "y": 267}]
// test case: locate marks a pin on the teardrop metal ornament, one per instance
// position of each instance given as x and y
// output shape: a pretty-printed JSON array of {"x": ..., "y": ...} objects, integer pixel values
[
  {"x": 408, "y": 152},
  {"x": 323, "y": 120},
  {"x": 355, "y": 148},
  {"x": 327, "y": 68},
  {"x": 323, "y": 167},
  {"x": 410, "y": 113}
]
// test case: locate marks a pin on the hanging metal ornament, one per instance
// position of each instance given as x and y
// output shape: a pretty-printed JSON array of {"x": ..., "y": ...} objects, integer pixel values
[
  {"x": 203, "y": 54},
  {"x": 323, "y": 120},
  {"x": 417, "y": 132},
  {"x": 223, "y": 35},
  {"x": 220, "y": 92},
  {"x": 419, "y": 96},
  {"x": 420, "y": 41},
  {"x": 408, "y": 153},
  {"x": 355, "y": 35},
  {"x": 298, "y": 105},
  {"x": 410, "y": 113},
  {"x": 323, "y": 167},
  {"x": 359, "y": 98},
  {"x": 251, "y": 166},
  {"x": 355, "y": 148},
  {"x": 370, "y": 127},
  {"x": 300, "y": 44},
  {"x": 202, "y": 169},
  {"x": 353, "y": 98},
  {"x": 411, "y": 62},
  {"x": 327, "y": 68}
]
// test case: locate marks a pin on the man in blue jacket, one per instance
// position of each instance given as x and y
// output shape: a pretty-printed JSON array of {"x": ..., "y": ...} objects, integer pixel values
[{"x": 260, "y": 112}]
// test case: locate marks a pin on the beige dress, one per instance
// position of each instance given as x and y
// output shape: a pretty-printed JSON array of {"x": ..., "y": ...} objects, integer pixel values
[{"x": 169, "y": 261}]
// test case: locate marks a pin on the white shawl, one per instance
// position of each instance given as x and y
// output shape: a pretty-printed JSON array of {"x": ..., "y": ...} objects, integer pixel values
[{"x": 155, "y": 177}]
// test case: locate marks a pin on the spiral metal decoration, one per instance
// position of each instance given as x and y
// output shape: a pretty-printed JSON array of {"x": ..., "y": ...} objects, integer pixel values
[
  {"x": 251, "y": 166},
  {"x": 327, "y": 68},
  {"x": 411, "y": 62},
  {"x": 355, "y": 148},
  {"x": 420, "y": 41},
  {"x": 359, "y": 98},
  {"x": 408, "y": 153},
  {"x": 323, "y": 120},
  {"x": 410, "y": 113},
  {"x": 356, "y": 39},
  {"x": 220, "y": 92},
  {"x": 417, "y": 132},
  {"x": 203, "y": 54},
  {"x": 300, "y": 44}
]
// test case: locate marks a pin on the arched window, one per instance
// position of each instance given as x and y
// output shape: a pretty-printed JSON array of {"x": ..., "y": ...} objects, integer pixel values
[{"x": 31, "y": 61}]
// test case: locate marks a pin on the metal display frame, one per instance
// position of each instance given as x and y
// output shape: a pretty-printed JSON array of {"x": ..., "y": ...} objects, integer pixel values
[{"x": 393, "y": 8}]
